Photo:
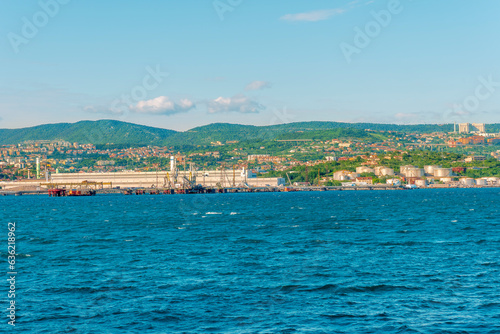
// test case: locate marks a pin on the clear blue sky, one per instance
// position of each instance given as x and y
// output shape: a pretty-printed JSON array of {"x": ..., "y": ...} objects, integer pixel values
[{"x": 251, "y": 62}]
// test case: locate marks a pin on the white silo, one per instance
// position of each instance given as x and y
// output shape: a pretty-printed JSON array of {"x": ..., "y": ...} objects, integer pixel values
[
  {"x": 443, "y": 172},
  {"x": 404, "y": 169},
  {"x": 364, "y": 169},
  {"x": 37, "y": 168},
  {"x": 430, "y": 169},
  {"x": 172, "y": 164},
  {"x": 446, "y": 179},
  {"x": 481, "y": 182},
  {"x": 414, "y": 172},
  {"x": 386, "y": 171},
  {"x": 467, "y": 181}
]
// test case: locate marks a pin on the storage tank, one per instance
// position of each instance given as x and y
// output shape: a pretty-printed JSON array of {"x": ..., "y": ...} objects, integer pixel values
[
  {"x": 481, "y": 182},
  {"x": 430, "y": 169},
  {"x": 386, "y": 171},
  {"x": 442, "y": 172},
  {"x": 493, "y": 180},
  {"x": 404, "y": 169},
  {"x": 468, "y": 181},
  {"x": 364, "y": 169},
  {"x": 414, "y": 172}
]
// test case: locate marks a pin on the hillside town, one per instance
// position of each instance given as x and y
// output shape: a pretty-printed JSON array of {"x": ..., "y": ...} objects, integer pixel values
[{"x": 467, "y": 156}]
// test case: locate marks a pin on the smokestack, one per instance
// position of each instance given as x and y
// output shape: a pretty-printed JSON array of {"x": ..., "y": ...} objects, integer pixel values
[
  {"x": 37, "y": 168},
  {"x": 172, "y": 164}
]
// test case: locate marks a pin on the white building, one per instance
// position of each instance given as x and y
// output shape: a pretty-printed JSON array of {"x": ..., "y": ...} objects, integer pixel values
[
  {"x": 421, "y": 183},
  {"x": 225, "y": 178}
]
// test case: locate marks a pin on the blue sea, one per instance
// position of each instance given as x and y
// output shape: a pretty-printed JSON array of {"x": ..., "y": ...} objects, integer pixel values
[{"x": 418, "y": 261}]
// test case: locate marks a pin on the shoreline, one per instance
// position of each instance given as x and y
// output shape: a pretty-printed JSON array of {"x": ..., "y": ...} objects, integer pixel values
[{"x": 156, "y": 191}]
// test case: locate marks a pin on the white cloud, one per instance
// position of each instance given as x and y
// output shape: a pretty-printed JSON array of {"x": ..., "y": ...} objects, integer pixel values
[
  {"x": 314, "y": 16},
  {"x": 258, "y": 85},
  {"x": 162, "y": 105},
  {"x": 238, "y": 103}
]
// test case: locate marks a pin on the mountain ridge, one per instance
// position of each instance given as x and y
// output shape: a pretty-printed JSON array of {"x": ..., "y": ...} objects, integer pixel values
[{"x": 117, "y": 132}]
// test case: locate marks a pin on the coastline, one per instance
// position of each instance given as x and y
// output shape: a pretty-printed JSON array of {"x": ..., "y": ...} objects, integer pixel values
[{"x": 157, "y": 192}]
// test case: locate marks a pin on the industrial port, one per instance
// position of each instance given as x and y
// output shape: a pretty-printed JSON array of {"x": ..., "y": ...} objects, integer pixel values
[{"x": 191, "y": 180}]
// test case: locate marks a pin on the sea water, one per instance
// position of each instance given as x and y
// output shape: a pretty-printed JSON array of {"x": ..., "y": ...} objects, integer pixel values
[{"x": 418, "y": 261}]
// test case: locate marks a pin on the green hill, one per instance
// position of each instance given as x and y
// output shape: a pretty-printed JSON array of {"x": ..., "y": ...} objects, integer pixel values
[
  {"x": 228, "y": 132},
  {"x": 419, "y": 128},
  {"x": 122, "y": 133},
  {"x": 94, "y": 132}
]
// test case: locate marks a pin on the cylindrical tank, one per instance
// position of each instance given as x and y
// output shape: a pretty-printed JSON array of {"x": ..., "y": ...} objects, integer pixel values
[
  {"x": 37, "y": 168},
  {"x": 493, "y": 179},
  {"x": 446, "y": 179},
  {"x": 442, "y": 172},
  {"x": 386, "y": 171},
  {"x": 468, "y": 181},
  {"x": 414, "y": 172},
  {"x": 404, "y": 169},
  {"x": 481, "y": 182},
  {"x": 364, "y": 169},
  {"x": 172, "y": 164},
  {"x": 430, "y": 169}
]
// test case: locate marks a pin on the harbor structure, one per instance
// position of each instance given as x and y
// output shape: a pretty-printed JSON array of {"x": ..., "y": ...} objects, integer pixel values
[{"x": 173, "y": 179}]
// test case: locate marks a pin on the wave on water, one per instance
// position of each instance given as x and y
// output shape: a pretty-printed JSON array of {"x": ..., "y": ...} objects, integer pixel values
[{"x": 344, "y": 264}]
